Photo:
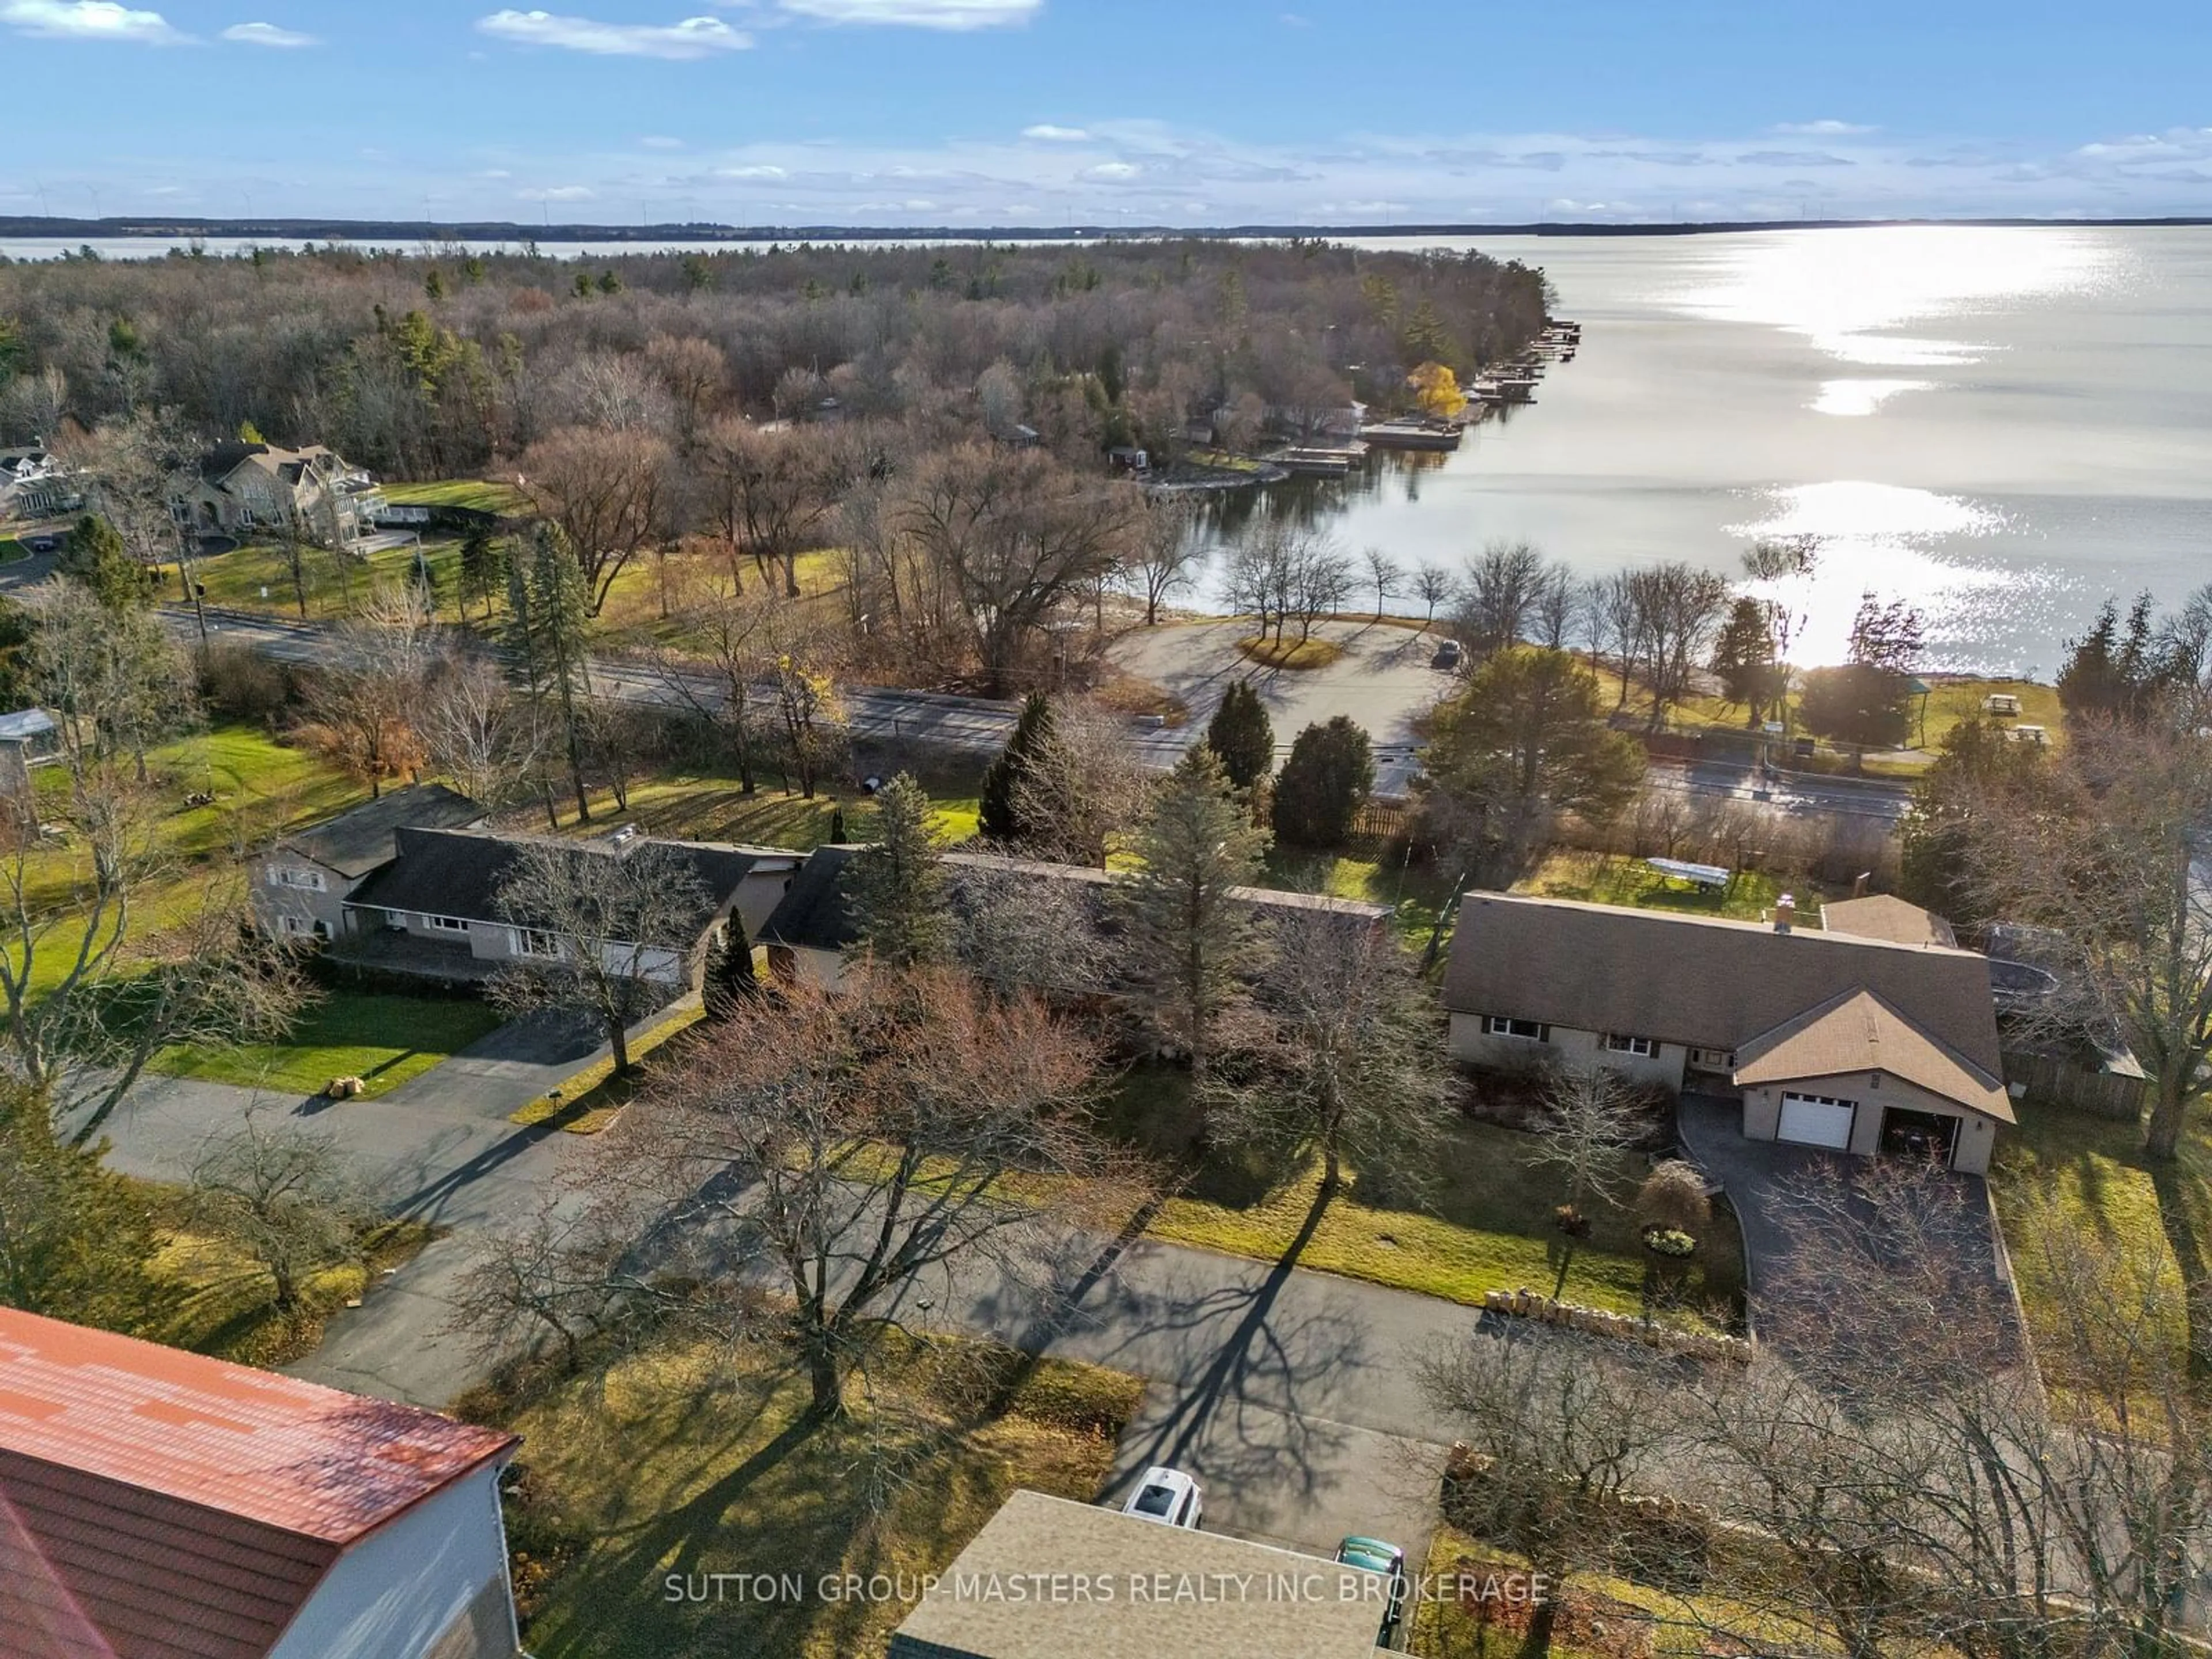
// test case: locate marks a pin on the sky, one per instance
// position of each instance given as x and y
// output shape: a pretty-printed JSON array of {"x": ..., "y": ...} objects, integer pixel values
[{"x": 987, "y": 112}]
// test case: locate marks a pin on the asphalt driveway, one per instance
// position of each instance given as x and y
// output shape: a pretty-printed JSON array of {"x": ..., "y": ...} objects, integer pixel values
[
  {"x": 504, "y": 1069},
  {"x": 1766, "y": 1183}
]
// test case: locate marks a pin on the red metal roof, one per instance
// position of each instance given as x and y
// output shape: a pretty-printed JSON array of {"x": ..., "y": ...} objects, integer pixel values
[
  {"x": 291, "y": 1455},
  {"x": 158, "y": 1505}
]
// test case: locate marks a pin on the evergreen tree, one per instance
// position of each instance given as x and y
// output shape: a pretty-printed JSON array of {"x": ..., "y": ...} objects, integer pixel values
[
  {"x": 729, "y": 979},
  {"x": 1188, "y": 942},
  {"x": 896, "y": 885},
  {"x": 1325, "y": 780},
  {"x": 483, "y": 567},
  {"x": 548, "y": 629},
  {"x": 1243, "y": 736},
  {"x": 74, "y": 1239},
  {"x": 1743, "y": 659},
  {"x": 2115, "y": 672},
  {"x": 999, "y": 818},
  {"x": 94, "y": 556}
]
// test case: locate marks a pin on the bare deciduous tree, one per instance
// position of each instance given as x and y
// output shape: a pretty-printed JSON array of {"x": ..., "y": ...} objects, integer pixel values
[
  {"x": 477, "y": 732},
  {"x": 1354, "y": 1066},
  {"x": 829, "y": 1158},
  {"x": 281, "y": 1195},
  {"x": 607, "y": 931},
  {"x": 1564, "y": 1428},
  {"x": 368, "y": 693},
  {"x": 607, "y": 491},
  {"x": 1084, "y": 785},
  {"x": 772, "y": 495},
  {"x": 1164, "y": 552}
]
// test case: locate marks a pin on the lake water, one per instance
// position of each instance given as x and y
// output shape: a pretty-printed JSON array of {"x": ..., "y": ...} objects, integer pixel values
[{"x": 2003, "y": 425}]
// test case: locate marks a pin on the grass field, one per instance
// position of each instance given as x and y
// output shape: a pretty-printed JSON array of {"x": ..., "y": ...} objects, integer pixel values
[
  {"x": 1294, "y": 655},
  {"x": 11, "y": 550},
  {"x": 258, "y": 577},
  {"x": 383, "y": 1040},
  {"x": 1487, "y": 1224},
  {"x": 707, "y": 807},
  {"x": 1415, "y": 891},
  {"x": 684, "y": 1458},
  {"x": 479, "y": 492},
  {"x": 1608, "y": 878},
  {"x": 259, "y": 786},
  {"x": 2063, "y": 1176},
  {"x": 1443, "y": 1628},
  {"x": 218, "y": 1300}
]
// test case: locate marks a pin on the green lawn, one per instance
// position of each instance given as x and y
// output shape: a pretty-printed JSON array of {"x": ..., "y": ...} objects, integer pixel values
[
  {"x": 708, "y": 807},
  {"x": 258, "y": 577},
  {"x": 1608, "y": 878},
  {"x": 685, "y": 1458},
  {"x": 479, "y": 492},
  {"x": 382, "y": 1040},
  {"x": 1414, "y": 892},
  {"x": 11, "y": 550},
  {"x": 2063, "y": 1175},
  {"x": 260, "y": 787},
  {"x": 1487, "y": 1226},
  {"x": 1954, "y": 701}
]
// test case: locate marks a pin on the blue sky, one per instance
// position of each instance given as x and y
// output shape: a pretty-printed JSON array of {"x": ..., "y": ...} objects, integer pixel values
[{"x": 1047, "y": 111}]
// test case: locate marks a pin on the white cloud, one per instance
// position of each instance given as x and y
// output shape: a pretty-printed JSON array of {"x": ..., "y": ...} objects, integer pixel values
[
  {"x": 559, "y": 193},
  {"x": 956, "y": 14},
  {"x": 751, "y": 173},
  {"x": 693, "y": 38},
  {"x": 268, "y": 34},
  {"x": 88, "y": 20},
  {"x": 656, "y": 142},
  {"x": 1112, "y": 172},
  {"x": 1045, "y": 132},
  {"x": 1824, "y": 129}
]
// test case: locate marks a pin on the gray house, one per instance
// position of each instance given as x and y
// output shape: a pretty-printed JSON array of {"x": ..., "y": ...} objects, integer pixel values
[
  {"x": 433, "y": 908},
  {"x": 1857, "y": 1044},
  {"x": 811, "y": 928},
  {"x": 301, "y": 885}
]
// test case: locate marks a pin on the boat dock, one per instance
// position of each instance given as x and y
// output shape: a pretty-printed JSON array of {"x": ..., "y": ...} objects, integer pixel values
[
  {"x": 1321, "y": 460},
  {"x": 1439, "y": 436}
]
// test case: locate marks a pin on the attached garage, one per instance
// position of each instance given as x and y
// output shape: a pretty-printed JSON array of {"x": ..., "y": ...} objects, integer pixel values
[{"x": 1817, "y": 1120}]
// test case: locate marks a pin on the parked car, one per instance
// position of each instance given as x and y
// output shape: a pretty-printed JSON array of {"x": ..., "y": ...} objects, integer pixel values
[
  {"x": 1447, "y": 656},
  {"x": 1170, "y": 1497},
  {"x": 1389, "y": 1561}
]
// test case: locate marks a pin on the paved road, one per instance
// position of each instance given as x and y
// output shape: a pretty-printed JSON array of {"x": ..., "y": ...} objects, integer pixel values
[
  {"x": 1384, "y": 681},
  {"x": 1286, "y": 1393}
]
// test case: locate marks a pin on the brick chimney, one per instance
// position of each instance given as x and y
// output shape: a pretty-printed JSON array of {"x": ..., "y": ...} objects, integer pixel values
[{"x": 1785, "y": 913}]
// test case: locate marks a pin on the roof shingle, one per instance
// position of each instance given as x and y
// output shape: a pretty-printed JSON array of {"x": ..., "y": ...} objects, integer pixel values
[{"x": 1697, "y": 979}]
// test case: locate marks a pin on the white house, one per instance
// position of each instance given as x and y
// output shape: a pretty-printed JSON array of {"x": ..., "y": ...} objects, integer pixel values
[
  {"x": 1858, "y": 1044},
  {"x": 163, "y": 1505}
]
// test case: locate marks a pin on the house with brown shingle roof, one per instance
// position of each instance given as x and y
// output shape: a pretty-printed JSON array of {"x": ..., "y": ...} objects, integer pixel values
[
  {"x": 159, "y": 1504},
  {"x": 1857, "y": 1043}
]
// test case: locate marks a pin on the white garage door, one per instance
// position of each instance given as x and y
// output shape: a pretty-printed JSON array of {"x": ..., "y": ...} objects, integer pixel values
[{"x": 1816, "y": 1121}]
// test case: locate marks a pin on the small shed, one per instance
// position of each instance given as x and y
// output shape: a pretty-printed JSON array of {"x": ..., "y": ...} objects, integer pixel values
[{"x": 28, "y": 737}]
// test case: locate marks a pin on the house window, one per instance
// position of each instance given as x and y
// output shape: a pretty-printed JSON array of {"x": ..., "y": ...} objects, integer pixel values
[
  {"x": 1615, "y": 1043},
  {"x": 287, "y": 875},
  {"x": 1713, "y": 1060},
  {"x": 446, "y": 924},
  {"x": 535, "y": 942},
  {"x": 1528, "y": 1030},
  {"x": 295, "y": 926}
]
